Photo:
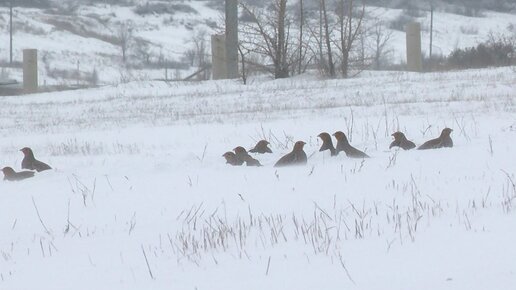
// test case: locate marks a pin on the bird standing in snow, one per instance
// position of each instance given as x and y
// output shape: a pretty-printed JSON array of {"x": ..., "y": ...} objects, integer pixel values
[
  {"x": 11, "y": 175},
  {"x": 243, "y": 156},
  {"x": 232, "y": 159},
  {"x": 296, "y": 157},
  {"x": 29, "y": 162},
  {"x": 444, "y": 140},
  {"x": 327, "y": 143},
  {"x": 261, "y": 147},
  {"x": 401, "y": 141},
  {"x": 343, "y": 145}
]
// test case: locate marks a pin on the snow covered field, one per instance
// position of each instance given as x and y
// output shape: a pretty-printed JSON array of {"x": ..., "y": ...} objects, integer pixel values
[{"x": 140, "y": 197}]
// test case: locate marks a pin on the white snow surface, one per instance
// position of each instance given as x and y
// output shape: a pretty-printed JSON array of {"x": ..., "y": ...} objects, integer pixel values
[{"x": 140, "y": 197}]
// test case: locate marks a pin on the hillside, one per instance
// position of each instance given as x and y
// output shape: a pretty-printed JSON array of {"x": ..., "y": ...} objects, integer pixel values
[{"x": 82, "y": 43}]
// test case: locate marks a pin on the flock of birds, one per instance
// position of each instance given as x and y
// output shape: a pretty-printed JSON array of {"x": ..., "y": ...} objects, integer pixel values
[
  {"x": 298, "y": 156},
  {"x": 240, "y": 155},
  {"x": 28, "y": 162}
]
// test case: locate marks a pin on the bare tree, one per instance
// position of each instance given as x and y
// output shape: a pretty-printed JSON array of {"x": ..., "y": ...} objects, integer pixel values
[
  {"x": 305, "y": 55},
  {"x": 242, "y": 62},
  {"x": 268, "y": 36},
  {"x": 315, "y": 44},
  {"x": 301, "y": 23},
  {"x": 349, "y": 28},
  {"x": 327, "y": 37},
  {"x": 281, "y": 70},
  {"x": 142, "y": 50},
  {"x": 381, "y": 37},
  {"x": 201, "y": 52},
  {"x": 125, "y": 38},
  {"x": 190, "y": 56},
  {"x": 94, "y": 78}
]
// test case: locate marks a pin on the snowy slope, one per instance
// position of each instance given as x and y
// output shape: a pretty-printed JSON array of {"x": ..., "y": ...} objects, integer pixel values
[
  {"x": 89, "y": 36},
  {"x": 86, "y": 40},
  {"x": 451, "y": 31},
  {"x": 140, "y": 197}
]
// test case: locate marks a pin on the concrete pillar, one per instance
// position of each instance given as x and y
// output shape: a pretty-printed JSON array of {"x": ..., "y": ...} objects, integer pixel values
[
  {"x": 218, "y": 56},
  {"x": 30, "y": 70},
  {"x": 414, "y": 57},
  {"x": 232, "y": 38}
]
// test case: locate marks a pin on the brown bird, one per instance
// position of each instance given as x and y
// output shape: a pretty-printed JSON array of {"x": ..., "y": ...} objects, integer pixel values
[
  {"x": 232, "y": 159},
  {"x": 327, "y": 143},
  {"x": 444, "y": 140},
  {"x": 296, "y": 157},
  {"x": 29, "y": 162},
  {"x": 242, "y": 155},
  {"x": 261, "y": 147},
  {"x": 343, "y": 145},
  {"x": 401, "y": 141},
  {"x": 11, "y": 175}
]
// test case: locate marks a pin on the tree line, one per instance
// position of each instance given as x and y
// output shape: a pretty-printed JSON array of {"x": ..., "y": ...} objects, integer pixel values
[{"x": 333, "y": 38}]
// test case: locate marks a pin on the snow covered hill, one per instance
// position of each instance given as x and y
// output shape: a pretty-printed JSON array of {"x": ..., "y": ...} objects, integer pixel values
[
  {"x": 88, "y": 38},
  {"x": 81, "y": 44},
  {"x": 140, "y": 196}
]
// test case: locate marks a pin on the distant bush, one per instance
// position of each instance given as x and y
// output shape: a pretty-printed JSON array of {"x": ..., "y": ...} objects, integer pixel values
[
  {"x": 437, "y": 62},
  {"x": 82, "y": 29},
  {"x": 469, "y": 30},
  {"x": 498, "y": 51},
  {"x": 43, "y": 4},
  {"x": 169, "y": 64},
  {"x": 470, "y": 10},
  {"x": 413, "y": 11},
  {"x": 211, "y": 23},
  {"x": 245, "y": 16},
  {"x": 28, "y": 28},
  {"x": 474, "y": 8},
  {"x": 163, "y": 8},
  {"x": 216, "y": 4},
  {"x": 400, "y": 22},
  {"x": 112, "y": 2},
  {"x": 512, "y": 28}
]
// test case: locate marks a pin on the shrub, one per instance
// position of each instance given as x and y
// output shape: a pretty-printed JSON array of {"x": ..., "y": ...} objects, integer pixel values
[
  {"x": 469, "y": 30},
  {"x": 400, "y": 22},
  {"x": 498, "y": 51},
  {"x": 163, "y": 8},
  {"x": 29, "y": 3},
  {"x": 413, "y": 11}
]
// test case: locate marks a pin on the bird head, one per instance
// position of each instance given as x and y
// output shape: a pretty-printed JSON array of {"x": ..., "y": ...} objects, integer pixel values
[
  {"x": 239, "y": 149},
  {"x": 298, "y": 146},
  {"x": 340, "y": 136},
  {"x": 228, "y": 154},
  {"x": 446, "y": 132},
  {"x": 398, "y": 135},
  {"x": 8, "y": 171},
  {"x": 324, "y": 136},
  {"x": 26, "y": 151}
]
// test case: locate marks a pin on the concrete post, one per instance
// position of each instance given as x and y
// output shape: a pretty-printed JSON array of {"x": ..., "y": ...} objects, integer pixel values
[
  {"x": 218, "y": 56},
  {"x": 232, "y": 38},
  {"x": 30, "y": 70},
  {"x": 414, "y": 58}
]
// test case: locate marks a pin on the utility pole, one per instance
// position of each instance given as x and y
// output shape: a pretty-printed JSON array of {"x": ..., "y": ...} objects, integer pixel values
[
  {"x": 431, "y": 28},
  {"x": 11, "y": 32},
  {"x": 231, "y": 38},
  {"x": 301, "y": 20}
]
